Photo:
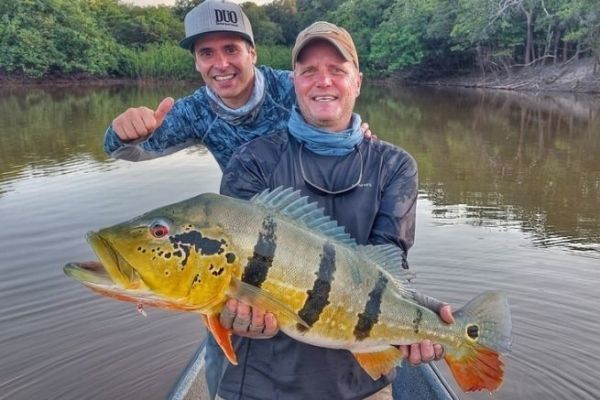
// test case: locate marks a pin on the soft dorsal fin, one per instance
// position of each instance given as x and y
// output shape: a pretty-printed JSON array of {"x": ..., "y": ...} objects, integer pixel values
[
  {"x": 292, "y": 205},
  {"x": 391, "y": 258}
]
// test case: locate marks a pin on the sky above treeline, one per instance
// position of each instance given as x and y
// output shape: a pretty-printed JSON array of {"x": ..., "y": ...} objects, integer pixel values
[{"x": 171, "y": 2}]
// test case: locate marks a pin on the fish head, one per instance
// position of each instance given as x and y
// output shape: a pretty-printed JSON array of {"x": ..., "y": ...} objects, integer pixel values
[{"x": 171, "y": 257}]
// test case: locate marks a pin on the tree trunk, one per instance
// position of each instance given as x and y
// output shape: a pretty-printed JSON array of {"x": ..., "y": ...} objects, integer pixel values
[
  {"x": 556, "y": 41},
  {"x": 529, "y": 49}
]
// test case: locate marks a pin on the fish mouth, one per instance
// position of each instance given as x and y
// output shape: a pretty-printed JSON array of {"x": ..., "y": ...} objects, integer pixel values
[
  {"x": 114, "y": 277},
  {"x": 114, "y": 265},
  {"x": 93, "y": 274}
]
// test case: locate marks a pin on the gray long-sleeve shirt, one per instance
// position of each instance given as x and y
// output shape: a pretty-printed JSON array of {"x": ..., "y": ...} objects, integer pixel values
[{"x": 379, "y": 210}]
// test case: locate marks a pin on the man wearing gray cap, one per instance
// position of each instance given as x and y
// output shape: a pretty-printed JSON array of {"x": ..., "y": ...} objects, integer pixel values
[
  {"x": 239, "y": 102},
  {"x": 369, "y": 187}
]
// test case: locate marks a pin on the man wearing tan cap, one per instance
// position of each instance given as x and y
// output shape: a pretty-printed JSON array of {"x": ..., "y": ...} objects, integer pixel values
[{"x": 369, "y": 187}]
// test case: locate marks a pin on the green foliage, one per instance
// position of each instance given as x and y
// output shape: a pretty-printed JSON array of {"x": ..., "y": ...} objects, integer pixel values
[
  {"x": 285, "y": 15},
  {"x": 182, "y": 7},
  {"x": 265, "y": 31},
  {"x": 140, "y": 26},
  {"x": 165, "y": 60},
  {"x": 362, "y": 20},
  {"x": 53, "y": 36},
  {"x": 400, "y": 40},
  {"x": 275, "y": 56},
  {"x": 318, "y": 10},
  {"x": 40, "y": 38}
]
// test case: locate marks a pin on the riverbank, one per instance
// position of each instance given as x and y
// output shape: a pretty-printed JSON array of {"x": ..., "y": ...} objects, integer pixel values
[
  {"x": 581, "y": 76},
  {"x": 577, "y": 76},
  {"x": 84, "y": 80}
]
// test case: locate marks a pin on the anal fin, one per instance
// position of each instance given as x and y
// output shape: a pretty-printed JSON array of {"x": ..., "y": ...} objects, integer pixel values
[
  {"x": 221, "y": 335},
  {"x": 379, "y": 363}
]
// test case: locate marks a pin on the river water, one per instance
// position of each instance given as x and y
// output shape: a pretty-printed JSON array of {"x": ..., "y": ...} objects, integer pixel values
[{"x": 509, "y": 199}]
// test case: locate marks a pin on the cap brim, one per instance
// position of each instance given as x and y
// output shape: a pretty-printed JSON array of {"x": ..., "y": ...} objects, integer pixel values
[
  {"x": 188, "y": 42},
  {"x": 312, "y": 38}
]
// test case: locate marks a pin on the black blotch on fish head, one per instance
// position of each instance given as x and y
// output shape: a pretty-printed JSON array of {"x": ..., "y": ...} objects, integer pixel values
[
  {"x": 185, "y": 242},
  {"x": 230, "y": 257},
  {"x": 203, "y": 245},
  {"x": 473, "y": 331}
]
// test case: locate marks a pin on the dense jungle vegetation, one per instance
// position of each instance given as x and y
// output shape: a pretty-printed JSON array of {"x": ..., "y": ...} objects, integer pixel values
[{"x": 109, "y": 38}]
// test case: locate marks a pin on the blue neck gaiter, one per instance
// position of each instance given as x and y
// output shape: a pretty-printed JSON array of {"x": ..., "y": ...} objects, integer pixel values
[
  {"x": 247, "y": 112},
  {"x": 324, "y": 142}
]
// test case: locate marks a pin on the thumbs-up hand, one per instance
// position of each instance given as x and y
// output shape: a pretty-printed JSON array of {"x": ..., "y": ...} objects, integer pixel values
[{"x": 138, "y": 123}]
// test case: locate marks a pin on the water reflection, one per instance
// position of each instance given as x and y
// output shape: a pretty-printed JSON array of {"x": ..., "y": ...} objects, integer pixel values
[
  {"x": 514, "y": 159},
  {"x": 44, "y": 127},
  {"x": 524, "y": 160}
]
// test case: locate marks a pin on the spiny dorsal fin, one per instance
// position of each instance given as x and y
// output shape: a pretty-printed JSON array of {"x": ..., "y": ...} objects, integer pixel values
[{"x": 289, "y": 203}]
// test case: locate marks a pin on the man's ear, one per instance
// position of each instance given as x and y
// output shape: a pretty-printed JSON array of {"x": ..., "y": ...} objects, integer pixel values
[
  {"x": 359, "y": 83},
  {"x": 252, "y": 51}
]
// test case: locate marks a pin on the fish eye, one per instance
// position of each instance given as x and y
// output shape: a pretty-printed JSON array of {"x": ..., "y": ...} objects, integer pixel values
[{"x": 159, "y": 229}]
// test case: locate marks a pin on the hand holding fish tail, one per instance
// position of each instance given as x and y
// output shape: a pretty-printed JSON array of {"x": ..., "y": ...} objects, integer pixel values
[
  {"x": 246, "y": 321},
  {"x": 443, "y": 309},
  {"x": 426, "y": 351}
]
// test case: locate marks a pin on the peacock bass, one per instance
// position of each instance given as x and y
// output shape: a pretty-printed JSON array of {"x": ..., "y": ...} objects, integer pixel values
[{"x": 280, "y": 252}]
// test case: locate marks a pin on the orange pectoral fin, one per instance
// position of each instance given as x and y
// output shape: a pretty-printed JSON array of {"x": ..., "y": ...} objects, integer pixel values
[
  {"x": 477, "y": 369},
  {"x": 379, "y": 363},
  {"x": 221, "y": 335}
]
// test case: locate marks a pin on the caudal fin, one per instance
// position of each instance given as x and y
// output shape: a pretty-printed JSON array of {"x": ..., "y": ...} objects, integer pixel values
[{"x": 477, "y": 364}]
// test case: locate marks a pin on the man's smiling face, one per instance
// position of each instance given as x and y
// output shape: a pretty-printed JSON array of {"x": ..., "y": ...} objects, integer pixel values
[
  {"x": 326, "y": 86},
  {"x": 226, "y": 63}
]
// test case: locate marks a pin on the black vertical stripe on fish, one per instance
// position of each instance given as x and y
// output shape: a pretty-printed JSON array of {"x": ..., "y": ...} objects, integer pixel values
[
  {"x": 258, "y": 265},
  {"x": 318, "y": 296},
  {"x": 417, "y": 321},
  {"x": 370, "y": 315}
]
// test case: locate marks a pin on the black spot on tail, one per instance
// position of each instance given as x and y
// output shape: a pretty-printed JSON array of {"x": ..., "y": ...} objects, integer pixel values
[
  {"x": 473, "y": 331},
  {"x": 318, "y": 296},
  {"x": 370, "y": 315},
  {"x": 255, "y": 272}
]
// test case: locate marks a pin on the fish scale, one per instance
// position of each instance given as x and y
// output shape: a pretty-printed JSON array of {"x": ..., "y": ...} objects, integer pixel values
[{"x": 282, "y": 254}]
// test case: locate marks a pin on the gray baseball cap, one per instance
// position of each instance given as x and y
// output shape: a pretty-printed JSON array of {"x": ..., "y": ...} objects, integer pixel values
[{"x": 215, "y": 16}]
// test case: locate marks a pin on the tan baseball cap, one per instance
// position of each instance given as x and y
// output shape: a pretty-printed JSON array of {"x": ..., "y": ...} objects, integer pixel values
[
  {"x": 215, "y": 16},
  {"x": 335, "y": 35}
]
